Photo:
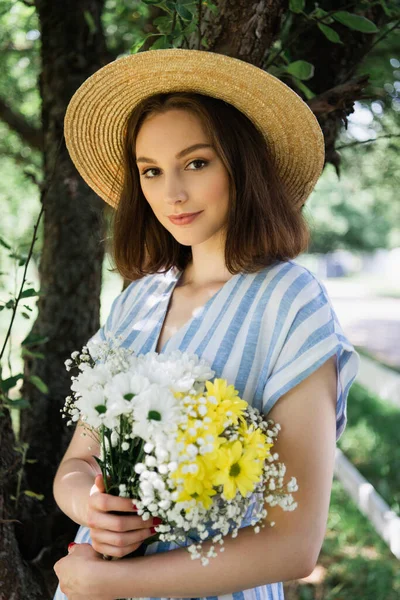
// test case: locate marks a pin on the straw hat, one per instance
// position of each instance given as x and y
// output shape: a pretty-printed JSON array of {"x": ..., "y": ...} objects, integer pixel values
[{"x": 95, "y": 121}]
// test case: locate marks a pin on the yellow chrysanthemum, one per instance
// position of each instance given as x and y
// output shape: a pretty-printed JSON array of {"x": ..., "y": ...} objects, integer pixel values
[
  {"x": 254, "y": 438},
  {"x": 239, "y": 469},
  {"x": 196, "y": 486},
  {"x": 200, "y": 493},
  {"x": 229, "y": 406}
]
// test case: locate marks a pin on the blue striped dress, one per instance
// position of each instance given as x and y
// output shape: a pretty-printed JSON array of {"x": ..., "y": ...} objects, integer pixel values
[{"x": 264, "y": 332}]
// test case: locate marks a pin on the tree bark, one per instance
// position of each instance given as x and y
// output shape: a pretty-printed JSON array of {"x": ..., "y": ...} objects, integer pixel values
[
  {"x": 18, "y": 579},
  {"x": 247, "y": 30},
  {"x": 70, "y": 266}
]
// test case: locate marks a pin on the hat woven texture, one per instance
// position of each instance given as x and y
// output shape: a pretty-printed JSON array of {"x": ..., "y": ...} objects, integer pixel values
[{"x": 96, "y": 117}]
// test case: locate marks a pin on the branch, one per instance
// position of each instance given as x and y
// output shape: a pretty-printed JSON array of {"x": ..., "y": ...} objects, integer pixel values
[
  {"x": 340, "y": 98},
  {"x": 30, "y": 134},
  {"x": 389, "y": 135}
]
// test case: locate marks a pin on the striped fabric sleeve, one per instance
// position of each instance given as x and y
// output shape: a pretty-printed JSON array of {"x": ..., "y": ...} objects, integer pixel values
[
  {"x": 310, "y": 335},
  {"x": 106, "y": 331}
]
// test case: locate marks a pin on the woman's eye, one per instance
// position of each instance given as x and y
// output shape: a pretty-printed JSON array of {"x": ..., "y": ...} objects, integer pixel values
[
  {"x": 148, "y": 171},
  {"x": 197, "y": 160}
]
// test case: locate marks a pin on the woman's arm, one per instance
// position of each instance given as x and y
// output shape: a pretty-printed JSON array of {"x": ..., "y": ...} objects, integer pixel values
[
  {"x": 75, "y": 476},
  {"x": 289, "y": 550}
]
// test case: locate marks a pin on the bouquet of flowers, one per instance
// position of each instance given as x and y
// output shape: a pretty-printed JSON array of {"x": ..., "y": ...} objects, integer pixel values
[{"x": 185, "y": 447}]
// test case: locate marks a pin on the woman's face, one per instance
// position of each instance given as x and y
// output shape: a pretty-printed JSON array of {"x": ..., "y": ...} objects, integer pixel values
[{"x": 176, "y": 178}]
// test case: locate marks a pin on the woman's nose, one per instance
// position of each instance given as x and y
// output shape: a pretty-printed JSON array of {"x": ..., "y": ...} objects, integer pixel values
[{"x": 174, "y": 190}]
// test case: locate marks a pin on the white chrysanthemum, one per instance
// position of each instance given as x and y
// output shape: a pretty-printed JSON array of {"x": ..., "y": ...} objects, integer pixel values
[
  {"x": 129, "y": 383},
  {"x": 90, "y": 378},
  {"x": 92, "y": 406},
  {"x": 155, "y": 411}
]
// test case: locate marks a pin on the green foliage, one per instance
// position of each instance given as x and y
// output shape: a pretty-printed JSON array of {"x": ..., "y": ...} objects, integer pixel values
[
  {"x": 181, "y": 19},
  {"x": 355, "y": 22},
  {"x": 360, "y": 211},
  {"x": 300, "y": 69},
  {"x": 298, "y": 22},
  {"x": 296, "y": 6},
  {"x": 370, "y": 442},
  {"x": 330, "y": 33},
  {"x": 357, "y": 562}
]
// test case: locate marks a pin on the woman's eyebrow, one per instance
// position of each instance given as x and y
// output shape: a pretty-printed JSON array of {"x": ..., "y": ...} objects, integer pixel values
[{"x": 179, "y": 155}]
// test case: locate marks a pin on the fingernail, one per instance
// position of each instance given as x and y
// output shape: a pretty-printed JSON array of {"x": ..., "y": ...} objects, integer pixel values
[
  {"x": 70, "y": 545},
  {"x": 134, "y": 506},
  {"x": 157, "y": 521},
  {"x": 153, "y": 530}
]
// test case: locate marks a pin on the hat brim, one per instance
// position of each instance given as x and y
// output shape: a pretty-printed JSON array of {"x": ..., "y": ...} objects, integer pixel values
[{"x": 96, "y": 116}]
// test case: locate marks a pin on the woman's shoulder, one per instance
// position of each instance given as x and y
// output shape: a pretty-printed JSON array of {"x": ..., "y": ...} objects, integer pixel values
[
  {"x": 288, "y": 277},
  {"x": 152, "y": 284}
]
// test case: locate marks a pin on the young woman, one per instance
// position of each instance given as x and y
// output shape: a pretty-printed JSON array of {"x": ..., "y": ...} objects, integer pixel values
[{"x": 170, "y": 133}]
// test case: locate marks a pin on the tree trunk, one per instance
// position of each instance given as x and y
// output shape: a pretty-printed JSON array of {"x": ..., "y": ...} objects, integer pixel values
[
  {"x": 18, "y": 580},
  {"x": 247, "y": 30},
  {"x": 70, "y": 266}
]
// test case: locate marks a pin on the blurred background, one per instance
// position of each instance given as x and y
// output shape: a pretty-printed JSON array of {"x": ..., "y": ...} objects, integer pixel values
[{"x": 353, "y": 213}]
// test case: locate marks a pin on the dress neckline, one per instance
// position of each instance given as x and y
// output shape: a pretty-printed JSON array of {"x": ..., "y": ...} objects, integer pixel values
[{"x": 177, "y": 274}]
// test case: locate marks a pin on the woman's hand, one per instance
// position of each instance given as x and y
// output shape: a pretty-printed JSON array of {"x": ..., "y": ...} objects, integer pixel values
[
  {"x": 115, "y": 534},
  {"x": 78, "y": 574}
]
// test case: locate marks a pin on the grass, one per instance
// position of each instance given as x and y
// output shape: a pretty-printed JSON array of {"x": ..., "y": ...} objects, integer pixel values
[
  {"x": 354, "y": 561},
  {"x": 371, "y": 443}
]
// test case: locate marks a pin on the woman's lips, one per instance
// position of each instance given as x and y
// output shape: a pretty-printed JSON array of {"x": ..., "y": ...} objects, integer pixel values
[{"x": 184, "y": 220}]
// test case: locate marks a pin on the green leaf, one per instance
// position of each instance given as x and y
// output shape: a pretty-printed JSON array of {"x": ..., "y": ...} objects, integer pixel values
[
  {"x": 4, "y": 243},
  {"x": 9, "y": 383},
  {"x": 33, "y": 495},
  {"x": 90, "y": 21},
  {"x": 386, "y": 9},
  {"x": 136, "y": 47},
  {"x": 161, "y": 43},
  {"x": 330, "y": 33},
  {"x": 28, "y": 307},
  {"x": 163, "y": 23},
  {"x": 29, "y": 293},
  {"x": 30, "y": 354},
  {"x": 319, "y": 13},
  {"x": 151, "y": 2},
  {"x": 19, "y": 257},
  {"x": 34, "y": 340},
  {"x": 25, "y": 315},
  {"x": 355, "y": 22},
  {"x": 184, "y": 12},
  {"x": 39, "y": 384},
  {"x": 189, "y": 29},
  {"x": 301, "y": 69},
  {"x": 32, "y": 461},
  {"x": 306, "y": 91},
  {"x": 101, "y": 409},
  {"x": 18, "y": 403},
  {"x": 296, "y": 6}
]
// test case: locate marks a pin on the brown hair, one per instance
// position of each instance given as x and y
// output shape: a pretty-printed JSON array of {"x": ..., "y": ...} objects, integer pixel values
[{"x": 263, "y": 223}]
